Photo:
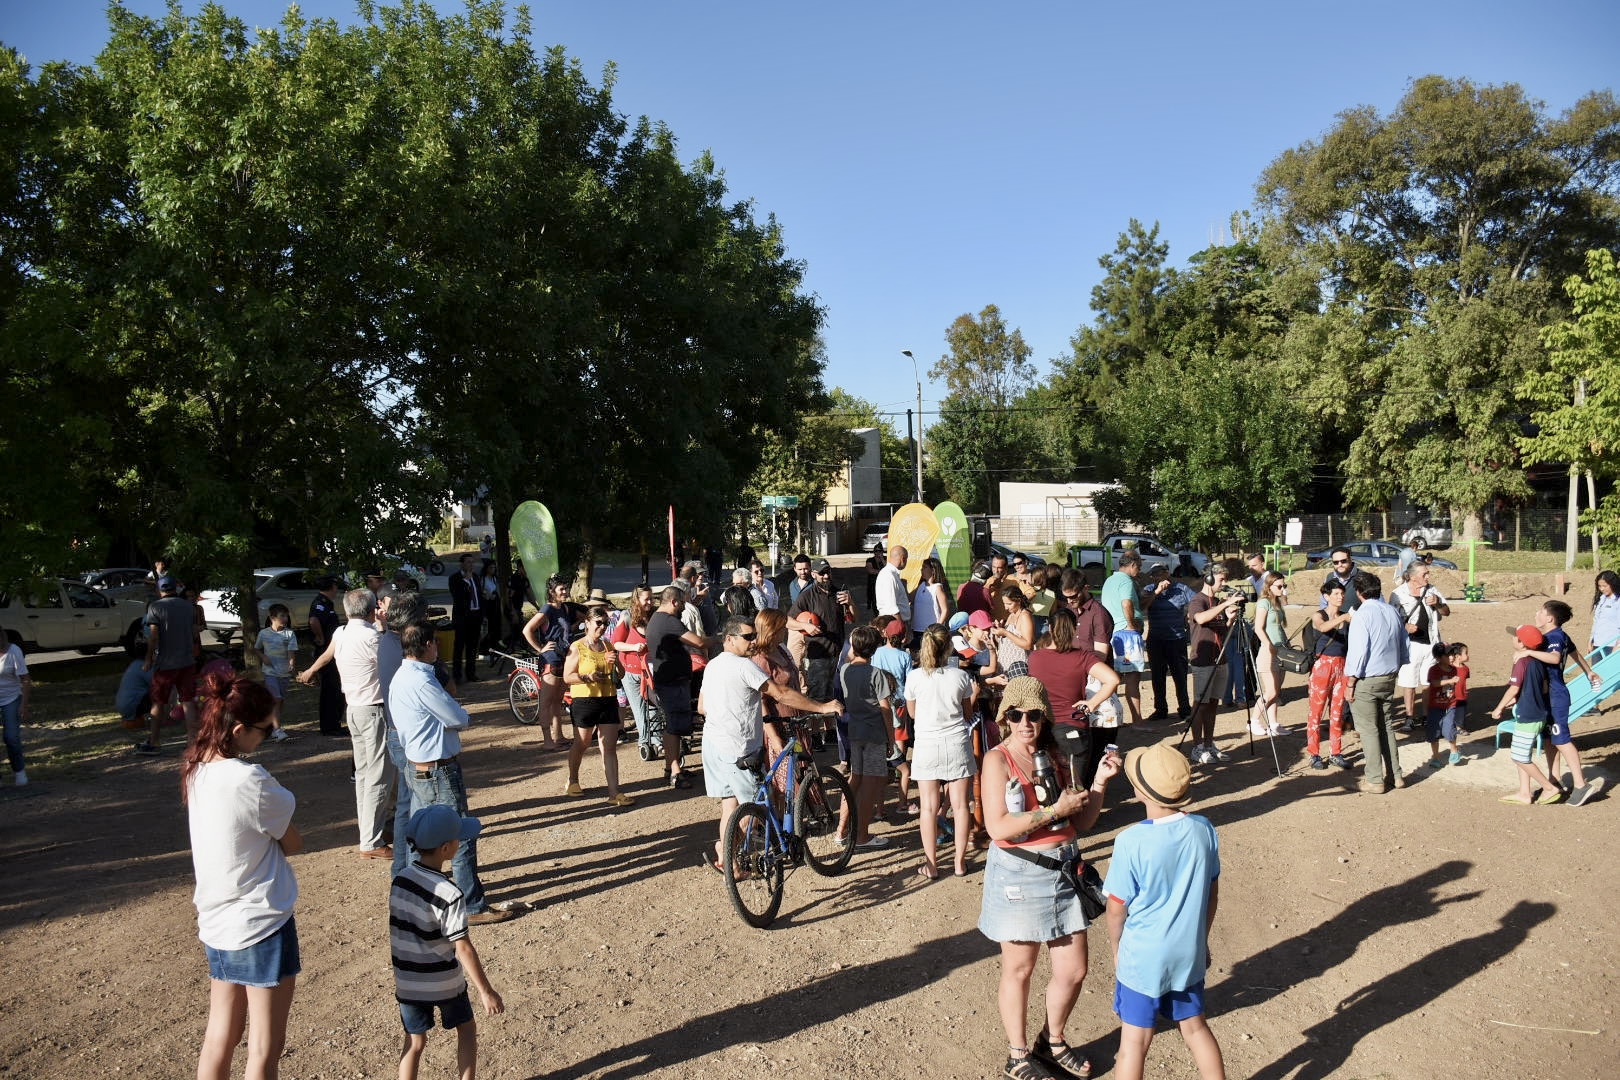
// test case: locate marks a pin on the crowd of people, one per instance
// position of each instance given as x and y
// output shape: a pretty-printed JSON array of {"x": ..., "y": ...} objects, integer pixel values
[{"x": 1000, "y": 699}]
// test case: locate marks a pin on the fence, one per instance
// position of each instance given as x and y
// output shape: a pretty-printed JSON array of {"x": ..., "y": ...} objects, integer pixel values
[{"x": 1533, "y": 529}]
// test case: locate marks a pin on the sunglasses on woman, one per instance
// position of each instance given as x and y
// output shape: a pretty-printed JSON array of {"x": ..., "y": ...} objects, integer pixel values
[{"x": 1021, "y": 716}]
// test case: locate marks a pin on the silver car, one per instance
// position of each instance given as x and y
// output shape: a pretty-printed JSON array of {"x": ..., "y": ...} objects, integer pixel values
[{"x": 1430, "y": 533}]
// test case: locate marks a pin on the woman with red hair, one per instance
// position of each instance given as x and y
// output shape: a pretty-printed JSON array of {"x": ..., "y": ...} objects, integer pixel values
[{"x": 241, "y": 836}]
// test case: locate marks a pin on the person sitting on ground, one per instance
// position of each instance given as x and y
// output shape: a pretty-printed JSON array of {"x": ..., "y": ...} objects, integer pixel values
[
  {"x": 433, "y": 957},
  {"x": 1163, "y": 884}
]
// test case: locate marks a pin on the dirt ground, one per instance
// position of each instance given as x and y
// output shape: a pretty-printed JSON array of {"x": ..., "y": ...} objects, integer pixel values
[{"x": 1427, "y": 932}]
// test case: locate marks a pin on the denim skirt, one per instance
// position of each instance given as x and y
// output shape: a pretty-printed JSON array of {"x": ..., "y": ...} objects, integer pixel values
[
  {"x": 1026, "y": 902},
  {"x": 263, "y": 964}
]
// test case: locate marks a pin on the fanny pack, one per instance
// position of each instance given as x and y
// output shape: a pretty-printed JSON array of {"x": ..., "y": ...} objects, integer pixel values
[{"x": 1081, "y": 876}]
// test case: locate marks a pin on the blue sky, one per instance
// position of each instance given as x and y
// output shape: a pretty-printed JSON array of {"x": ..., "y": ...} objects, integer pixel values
[{"x": 928, "y": 159}]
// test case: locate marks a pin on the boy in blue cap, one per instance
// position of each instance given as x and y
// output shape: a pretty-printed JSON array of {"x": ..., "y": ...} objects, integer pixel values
[{"x": 427, "y": 935}]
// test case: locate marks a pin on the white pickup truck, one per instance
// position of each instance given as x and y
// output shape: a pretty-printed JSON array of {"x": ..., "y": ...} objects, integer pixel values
[
  {"x": 1154, "y": 553},
  {"x": 68, "y": 614}
]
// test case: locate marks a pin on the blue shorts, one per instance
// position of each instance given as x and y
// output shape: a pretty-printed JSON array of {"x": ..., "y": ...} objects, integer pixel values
[
  {"x": 1558, "y": 731},
  {"x": 263, "y": 964},
  {"x": 418, "y": 1017},
  {"x": 675, "y": 701},
  {"x": 1442, "y": 723},
  {"x": 1558, "y": 703},
  {"x": 1139, "y": 1010},
  {"x": 277, "y": 685}
]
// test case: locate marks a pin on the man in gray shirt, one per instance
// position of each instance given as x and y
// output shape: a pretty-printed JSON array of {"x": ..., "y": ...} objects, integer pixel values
[{"x": 169, "y": 656}]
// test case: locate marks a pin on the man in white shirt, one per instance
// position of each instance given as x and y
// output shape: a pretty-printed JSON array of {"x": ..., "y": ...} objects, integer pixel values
[
  {"x": 891, "y": 587},
  {"x": 762, "y": 588},
  {"x": 732, "y": 730},
  {"x": 1421, "y": 607},
  {"x": 353, "y": 652}
]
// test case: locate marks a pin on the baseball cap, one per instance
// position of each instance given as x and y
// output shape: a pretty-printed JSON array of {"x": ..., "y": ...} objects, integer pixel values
[
  {"x": 434, "y": 825},
  {"x": 1159, "y": 775},
  {"x": 981, "y": 619},
  {"x": 165, "y": 583},
  {"x": 959, "y": 620},
  {"x": 822, "y": 566},
  {"x": 893, "y": 628},
  {"x": 1528, "y": 636}
]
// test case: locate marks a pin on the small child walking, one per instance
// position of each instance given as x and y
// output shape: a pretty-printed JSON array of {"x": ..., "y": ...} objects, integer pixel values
[
  {"x": 867, "y": 691},
  {"x": 433, "y": 957},
  {"x": 1162, "y": 886},
  {"x": 1448, "y": 701},
  {"x": 277, "y": 646},
  {"x": 1527, "y": 692}
]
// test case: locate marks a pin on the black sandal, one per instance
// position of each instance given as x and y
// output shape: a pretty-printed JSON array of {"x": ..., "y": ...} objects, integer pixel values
[
  {"x": 1066, "y": 1061},
  {"x": 1025, "y": 1068}
]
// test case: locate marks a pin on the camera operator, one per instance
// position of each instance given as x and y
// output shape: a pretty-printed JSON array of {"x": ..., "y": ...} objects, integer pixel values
[{"x": 1208, "y": 619}]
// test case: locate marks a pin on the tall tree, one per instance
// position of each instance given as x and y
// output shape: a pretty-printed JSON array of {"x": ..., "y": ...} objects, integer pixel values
[
  {"x": 1128, "y": 325},
  {"x": 1576, "y": 395},
  {"x": 1435, "y": 233}
]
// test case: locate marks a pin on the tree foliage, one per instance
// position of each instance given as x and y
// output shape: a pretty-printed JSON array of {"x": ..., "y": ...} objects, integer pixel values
[
  {"x": 1434, "y": 233},
  {"x": 1576, "y": 395}
]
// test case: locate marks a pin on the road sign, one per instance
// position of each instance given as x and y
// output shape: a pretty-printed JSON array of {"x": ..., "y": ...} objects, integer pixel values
[{"x": 780, "y": 502}]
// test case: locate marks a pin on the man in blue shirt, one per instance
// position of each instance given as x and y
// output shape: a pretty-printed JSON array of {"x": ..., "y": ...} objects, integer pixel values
[
  {"x": 429, "y": 722},
  {"x": 1377, "y": 650},
  {"x": 1166, "y": 603}
]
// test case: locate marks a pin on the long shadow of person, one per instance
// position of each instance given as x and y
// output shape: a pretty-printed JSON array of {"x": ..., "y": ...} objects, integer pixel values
[
  {"x": 1328, "y": 1043},
  {"x": 1259, "y": 978},
  {"x": 813, "y": 1001}
]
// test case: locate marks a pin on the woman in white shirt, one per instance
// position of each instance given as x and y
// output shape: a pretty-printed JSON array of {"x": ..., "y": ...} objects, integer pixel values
[
  {"x": 15, "y": 686},
  {"x": 939, "y": 698},
  {"x": 241, "y": 836},
  {"x": 931, "y": 603}
]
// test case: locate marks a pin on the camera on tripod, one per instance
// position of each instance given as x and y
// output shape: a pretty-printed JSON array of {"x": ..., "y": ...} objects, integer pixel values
[{"x": 1233, "y": 593}]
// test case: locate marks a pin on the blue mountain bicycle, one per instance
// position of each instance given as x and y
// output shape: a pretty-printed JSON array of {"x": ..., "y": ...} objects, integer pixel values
[{"x": 765, "y": 839}]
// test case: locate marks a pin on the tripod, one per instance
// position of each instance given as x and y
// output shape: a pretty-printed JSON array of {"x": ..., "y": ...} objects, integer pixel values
[{"x": 1236, "y": 637}]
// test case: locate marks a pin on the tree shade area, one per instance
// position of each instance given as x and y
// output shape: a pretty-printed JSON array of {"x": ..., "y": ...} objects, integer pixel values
[{"x": 286, "y": 290}]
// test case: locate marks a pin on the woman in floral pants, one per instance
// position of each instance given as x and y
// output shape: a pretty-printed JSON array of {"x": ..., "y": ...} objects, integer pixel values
[{"x": 1327, "y": 677}]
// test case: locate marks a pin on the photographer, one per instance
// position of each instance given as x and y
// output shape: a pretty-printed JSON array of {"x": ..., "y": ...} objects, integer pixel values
[{"x": 1208, "y": 618}]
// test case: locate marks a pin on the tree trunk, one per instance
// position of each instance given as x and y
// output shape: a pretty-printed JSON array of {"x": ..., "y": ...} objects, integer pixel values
[
  {"x": 1572, "y": 527},
  {"x": 587, "y": 562},
  {"x": 1591, "y": 504},
  {"x": 1472, "y": 524}
]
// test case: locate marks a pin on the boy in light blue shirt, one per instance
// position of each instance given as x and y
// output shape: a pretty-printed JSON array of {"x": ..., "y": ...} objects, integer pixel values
[{"x": 1162, "y": 887}]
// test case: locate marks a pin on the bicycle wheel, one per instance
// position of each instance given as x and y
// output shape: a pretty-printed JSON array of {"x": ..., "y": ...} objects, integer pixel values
[
  {"x": 753, "y": 871},
  {"x": 523, "y": 694},
  {"x": 821, "y": 809}
]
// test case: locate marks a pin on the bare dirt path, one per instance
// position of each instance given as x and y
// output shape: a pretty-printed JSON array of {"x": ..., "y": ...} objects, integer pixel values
[{"x": 1359, "y": 935}]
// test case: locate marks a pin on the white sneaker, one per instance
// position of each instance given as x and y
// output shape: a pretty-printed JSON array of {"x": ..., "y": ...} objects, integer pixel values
[{"x": 20, "y": 777}]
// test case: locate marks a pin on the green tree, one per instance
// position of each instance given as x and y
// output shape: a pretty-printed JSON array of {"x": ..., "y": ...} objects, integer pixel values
[
  {"x": 1128, "y": 326},
  {"x": 1204, "y": 450},
  {"x": 1575, "y": 397},
  {"x": 1434, "y": 233}
]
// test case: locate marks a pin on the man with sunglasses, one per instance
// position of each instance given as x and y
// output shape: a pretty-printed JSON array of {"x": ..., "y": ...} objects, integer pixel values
[
  {"x": 732, "y": 728},
  {"x": 1342, "y": 569},
  {"x": 1093, "y": 625}
]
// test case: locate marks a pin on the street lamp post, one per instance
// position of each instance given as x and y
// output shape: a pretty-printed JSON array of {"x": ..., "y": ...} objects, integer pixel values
[{"x": 914, "y": 373}]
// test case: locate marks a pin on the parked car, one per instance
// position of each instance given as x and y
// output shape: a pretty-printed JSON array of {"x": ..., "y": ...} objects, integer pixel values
[
  {"x": 293, "y": 586},
  {"x": 1430, "y": 533},
  {"x": 1154, "y": 552},
  {"x": 1370, "y": 553},
  {"x": 123, "y": 583},
  {"x": 997, "y": 548},
  {"x": 875, "y": 537},
  {"x": 67, "y": 614}
]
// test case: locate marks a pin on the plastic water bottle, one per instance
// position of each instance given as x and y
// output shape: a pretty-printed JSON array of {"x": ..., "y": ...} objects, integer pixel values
[{"x": 1015, "y": 796}]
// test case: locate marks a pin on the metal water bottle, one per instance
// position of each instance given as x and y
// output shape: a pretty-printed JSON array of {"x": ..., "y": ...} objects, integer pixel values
[{"x": 1046, "y": 785}]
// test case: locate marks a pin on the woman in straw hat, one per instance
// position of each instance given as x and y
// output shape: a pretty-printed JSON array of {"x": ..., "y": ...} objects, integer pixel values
[{"x": 1034, "y": 819}]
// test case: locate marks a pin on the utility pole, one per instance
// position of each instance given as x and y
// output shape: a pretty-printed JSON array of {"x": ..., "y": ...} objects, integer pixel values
[{"x": 916, "y": 375}]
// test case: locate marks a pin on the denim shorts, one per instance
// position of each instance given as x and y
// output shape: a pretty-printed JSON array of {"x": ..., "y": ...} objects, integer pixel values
[
  {"x": 263, "y": 964},
  {"x": 276, "y": 685},
  {"x": 1139, "y": 1010},
  {"x": 418, "y": 1018},
  {"x": 1026, "y": 902},
  {"x": 723, "y": 780}
]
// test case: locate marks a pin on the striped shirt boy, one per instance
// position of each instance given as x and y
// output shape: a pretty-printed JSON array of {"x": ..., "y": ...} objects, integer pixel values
[{"x": 427, "y": 915}]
